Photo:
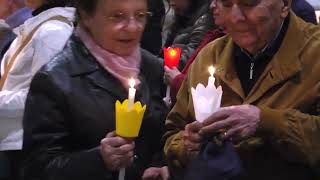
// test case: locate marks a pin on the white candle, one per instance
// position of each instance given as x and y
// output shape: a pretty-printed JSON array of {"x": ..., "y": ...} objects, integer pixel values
[
  {"x": 211, "y": 77},
  {"x": 132, "y": 93},
  {"x": 122, "y": 174},
  {"x": 168, "y": 92}
]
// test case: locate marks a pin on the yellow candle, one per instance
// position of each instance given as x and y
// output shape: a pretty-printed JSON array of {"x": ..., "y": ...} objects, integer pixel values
[
  {"x": 211, "y": 77},
  {"x": 132, "y": 93}
]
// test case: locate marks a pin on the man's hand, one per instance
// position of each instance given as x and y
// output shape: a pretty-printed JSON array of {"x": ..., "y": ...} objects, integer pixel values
[
  {"x": 235, "y": 122},
  {"x": 191, "y": 138},
  {"x": 156, "y": 173},
  {"x": 116, "y": 151}
]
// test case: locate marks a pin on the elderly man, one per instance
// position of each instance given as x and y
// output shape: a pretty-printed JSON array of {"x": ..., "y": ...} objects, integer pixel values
[{"x": 269, "y": 70}]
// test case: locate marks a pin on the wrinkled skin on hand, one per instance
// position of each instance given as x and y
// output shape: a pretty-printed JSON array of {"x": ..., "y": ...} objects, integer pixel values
[
  {"x": 156, "y": 173},
  {"x": 117, "y": 152},
  {"x": 192, "y": 139},
  {"x": 236, "y": 122}
]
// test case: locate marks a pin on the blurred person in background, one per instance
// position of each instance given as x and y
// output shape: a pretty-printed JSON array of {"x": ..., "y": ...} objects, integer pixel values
[
  {"x": 174, "y": 77},
  {"x": 13, "y": 13},
  {"x": 168, "y": 20},
  {"x": 192, "y": 19},
  {"x": 38, "y": 39}
]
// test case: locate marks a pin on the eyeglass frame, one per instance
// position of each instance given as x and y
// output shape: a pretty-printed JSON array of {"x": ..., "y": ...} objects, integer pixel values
[{"x": 124, "y": 18}]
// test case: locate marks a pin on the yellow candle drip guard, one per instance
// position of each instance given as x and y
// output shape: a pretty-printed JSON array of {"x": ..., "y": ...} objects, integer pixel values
[{"x": 128, "y": 122}]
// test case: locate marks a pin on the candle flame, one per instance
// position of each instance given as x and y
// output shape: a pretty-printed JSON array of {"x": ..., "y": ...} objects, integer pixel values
[
  {"x": 172, "y": 52},
  {"x": 212, "y": 70},
  {"x": 132, "y": 82}
]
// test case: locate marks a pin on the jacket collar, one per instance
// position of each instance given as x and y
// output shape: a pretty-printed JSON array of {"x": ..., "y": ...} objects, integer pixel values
[
  {"x": 84, "y": 64},
  {"x": 30, "y": 24},
  {"x": 285, "y": 63}
]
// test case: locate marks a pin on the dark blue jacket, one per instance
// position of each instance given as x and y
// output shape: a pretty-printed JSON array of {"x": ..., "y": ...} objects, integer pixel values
[{"x": 304, "y": 10}]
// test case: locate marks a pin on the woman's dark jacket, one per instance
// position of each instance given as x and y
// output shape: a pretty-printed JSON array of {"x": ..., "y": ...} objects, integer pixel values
[
  {"x": 189, "y": 31},
  {"x": 70, "y": 109}
]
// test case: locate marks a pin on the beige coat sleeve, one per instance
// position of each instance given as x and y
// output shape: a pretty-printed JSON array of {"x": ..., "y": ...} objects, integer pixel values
[
  {"x": 175, "y": 123},
  {"x": 296, "y": 136}
]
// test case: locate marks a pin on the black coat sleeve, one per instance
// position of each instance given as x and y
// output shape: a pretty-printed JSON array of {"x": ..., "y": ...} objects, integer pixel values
[
  {"x": 47, "y": 138},
  {"x": 153, "y": 70}
]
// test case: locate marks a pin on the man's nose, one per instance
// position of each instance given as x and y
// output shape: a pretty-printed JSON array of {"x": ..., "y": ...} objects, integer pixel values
[{"x": 237, "y": 14}]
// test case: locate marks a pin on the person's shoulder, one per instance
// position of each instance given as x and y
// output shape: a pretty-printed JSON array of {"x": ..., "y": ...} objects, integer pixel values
[
  {"x": 150, "y": 59},
  {"x": 309, "y": 33},
  {"x": 310, "y": 29},
  {"x": 209, "y": 55},
  {"x": 54, "y": 28},
  {"x": 307, "y": 39},
  {"x": 60, "y": 62},
  {"x": 51, "y": 34},
  {"x": 216, "y": 46}
]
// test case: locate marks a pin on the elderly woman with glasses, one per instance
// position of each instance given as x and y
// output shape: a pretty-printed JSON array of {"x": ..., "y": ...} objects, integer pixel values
[{"x": 69, "y": 120}]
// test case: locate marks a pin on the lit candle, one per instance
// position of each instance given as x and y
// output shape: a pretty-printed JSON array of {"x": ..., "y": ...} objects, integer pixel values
[
  {"x": 132, "y": 93},
  {"x": 211, "y": 77},
  {"x": 171, "y": 60},
  {"x": 172, "y": 56}
]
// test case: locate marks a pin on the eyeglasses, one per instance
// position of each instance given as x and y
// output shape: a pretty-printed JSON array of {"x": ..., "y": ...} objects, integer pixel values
[
  {"x": 121, "y": 18},
  {"x": 242, "y": 3}
]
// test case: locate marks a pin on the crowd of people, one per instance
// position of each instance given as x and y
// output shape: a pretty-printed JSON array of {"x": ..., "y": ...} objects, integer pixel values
[{"x": 65, "y": 63}]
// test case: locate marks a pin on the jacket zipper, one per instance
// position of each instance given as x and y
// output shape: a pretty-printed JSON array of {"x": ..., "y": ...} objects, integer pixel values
[{"x": 251, "y": 70}]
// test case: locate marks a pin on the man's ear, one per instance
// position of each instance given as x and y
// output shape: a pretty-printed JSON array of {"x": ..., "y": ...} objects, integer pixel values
[{"x": 286, "y": 8}]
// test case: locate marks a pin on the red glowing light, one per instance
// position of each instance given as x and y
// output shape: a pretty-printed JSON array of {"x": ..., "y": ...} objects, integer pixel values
[{"x": 172, "y": 56}]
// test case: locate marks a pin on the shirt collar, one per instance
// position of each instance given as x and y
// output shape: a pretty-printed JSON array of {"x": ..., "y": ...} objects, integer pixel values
[{"x": 271, "y": 48}]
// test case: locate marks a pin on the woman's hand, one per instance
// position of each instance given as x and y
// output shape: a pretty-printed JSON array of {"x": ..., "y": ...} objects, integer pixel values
[
  {"x": 156, "y": 173},
  {"x": 170, "y": 74},
  {"x": 117, "y": 152}
]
